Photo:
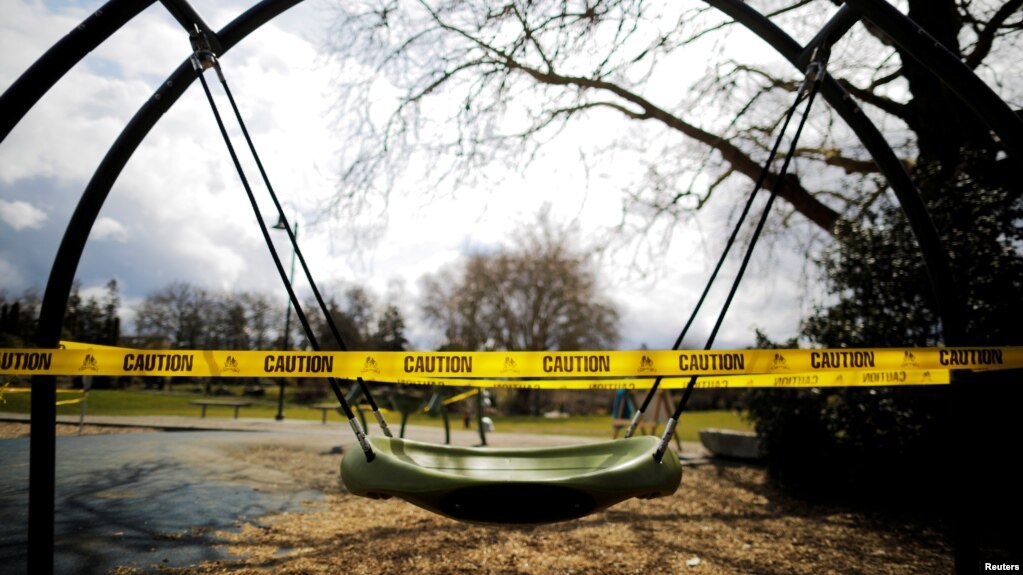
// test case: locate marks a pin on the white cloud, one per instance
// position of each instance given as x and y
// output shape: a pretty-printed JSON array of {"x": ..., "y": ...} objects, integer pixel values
[
  {"x": 29, "y": 29},
  {"x": 21, "y": 215},
  {"x": 11, "y": 274},
  {"x": 66, "y": 134},
  {"x": 109, "y": 229}
]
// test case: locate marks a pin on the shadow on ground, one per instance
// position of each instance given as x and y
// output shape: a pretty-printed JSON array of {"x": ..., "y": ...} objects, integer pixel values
[{"x": 141, "y": 499}]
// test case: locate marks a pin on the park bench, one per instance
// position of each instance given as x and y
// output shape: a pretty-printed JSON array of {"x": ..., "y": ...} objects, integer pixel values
[
  {"x": 732, "y": 444},
  {"x": 236, "y": 404},
  {"x": 324, "y": 408}
]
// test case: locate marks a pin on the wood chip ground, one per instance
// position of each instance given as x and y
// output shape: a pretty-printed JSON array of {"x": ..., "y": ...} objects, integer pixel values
[{"x": 723, "y": 520}]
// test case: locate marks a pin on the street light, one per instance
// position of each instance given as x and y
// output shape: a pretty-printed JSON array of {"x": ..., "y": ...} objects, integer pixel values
[{"x": 283, "y": 225}]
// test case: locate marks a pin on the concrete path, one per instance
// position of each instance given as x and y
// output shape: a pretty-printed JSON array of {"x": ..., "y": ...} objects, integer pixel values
[
  {"x": 340, "y": 430},
  {"x": 143, "y": 498},
  {"x": 155, "y": 498}
]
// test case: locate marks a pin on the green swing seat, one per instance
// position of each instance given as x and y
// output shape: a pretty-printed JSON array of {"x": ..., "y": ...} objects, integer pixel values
[{"x": 522, "y": 485}]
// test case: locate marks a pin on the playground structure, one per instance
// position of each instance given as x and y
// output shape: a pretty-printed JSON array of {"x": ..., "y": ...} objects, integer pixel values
[{"x": 27, "y": 90}]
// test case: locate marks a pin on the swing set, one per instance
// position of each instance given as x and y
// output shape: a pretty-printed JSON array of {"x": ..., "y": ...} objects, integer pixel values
[
  {"x": 475, "y": 484},
  {"x": 534, "y": 485}
]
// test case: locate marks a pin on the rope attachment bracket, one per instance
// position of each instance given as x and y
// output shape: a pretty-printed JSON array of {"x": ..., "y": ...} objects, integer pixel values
[{"x": 203, "y": 57}]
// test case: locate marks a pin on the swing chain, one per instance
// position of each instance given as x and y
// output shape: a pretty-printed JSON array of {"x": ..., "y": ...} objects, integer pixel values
[
  {"x": 382, "y": 423},
  {"x": 204, "y": 58}
]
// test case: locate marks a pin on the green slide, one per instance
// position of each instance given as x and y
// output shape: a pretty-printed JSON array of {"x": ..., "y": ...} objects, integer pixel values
[{"x": 486, "y": 485}]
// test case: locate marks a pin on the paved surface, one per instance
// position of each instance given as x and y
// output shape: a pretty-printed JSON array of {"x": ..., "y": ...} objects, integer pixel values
[
  {"x": 140, "y": 498},
  {"x": 155, "y": 498},
  {"x": 341, "y": 431}
]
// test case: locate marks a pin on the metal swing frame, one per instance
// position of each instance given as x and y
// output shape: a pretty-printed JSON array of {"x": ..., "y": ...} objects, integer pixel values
[{"x": 21, "y": 96}]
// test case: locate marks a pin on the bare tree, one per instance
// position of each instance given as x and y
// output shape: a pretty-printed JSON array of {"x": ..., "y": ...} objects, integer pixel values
[
  {"x": 452, "y": 88},
  {"x": 361, "y": 320},
  {"x": 263, "y": 319},
  {"x": 190, "y": 317},
  {"x": 179, "y": 313},
  {"x": 541, "y": 294}
]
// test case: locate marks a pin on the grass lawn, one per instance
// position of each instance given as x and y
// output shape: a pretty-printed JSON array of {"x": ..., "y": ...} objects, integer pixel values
[
  {"x": 147, "y": 402},
  {"x": 600, "y": 425}
]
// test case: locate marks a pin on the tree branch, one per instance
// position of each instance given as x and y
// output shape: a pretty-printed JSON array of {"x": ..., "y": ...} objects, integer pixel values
[
  {"x": 886, "y": 79},
  {"x": 834, "y": 157},
  {"x": 986, "y": 36},
  {"x": 888, "y": 105},
  {"x": 792, "y": 191},
  {"x": 516, "y": 58},
  {"x": 785, "y": 9}
]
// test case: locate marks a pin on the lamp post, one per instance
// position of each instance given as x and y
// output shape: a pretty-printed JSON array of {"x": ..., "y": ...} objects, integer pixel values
[{"x": 282, "y": 225}]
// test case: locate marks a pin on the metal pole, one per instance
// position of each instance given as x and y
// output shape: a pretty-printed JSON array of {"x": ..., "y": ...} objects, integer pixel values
[
  {"x": 479, "y": 418},
  {"x": 287, "y": 323},
  {"x": 86, "y": 386}
]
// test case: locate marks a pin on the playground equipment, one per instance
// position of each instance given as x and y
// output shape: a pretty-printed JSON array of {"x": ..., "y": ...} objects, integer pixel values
[{"x": 207, "y": 44}]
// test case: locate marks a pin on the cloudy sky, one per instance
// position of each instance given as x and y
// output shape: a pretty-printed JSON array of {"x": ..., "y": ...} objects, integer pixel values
[{"x": 178, "y": 212}]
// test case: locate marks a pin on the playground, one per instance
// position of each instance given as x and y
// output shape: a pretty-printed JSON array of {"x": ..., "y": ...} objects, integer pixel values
[
  {"x": 262, "y": 502},
  {"x": 244, "y": 494}
]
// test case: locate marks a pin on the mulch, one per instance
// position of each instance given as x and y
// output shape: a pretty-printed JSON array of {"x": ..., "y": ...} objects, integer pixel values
[{"x": 724, "y": 519}]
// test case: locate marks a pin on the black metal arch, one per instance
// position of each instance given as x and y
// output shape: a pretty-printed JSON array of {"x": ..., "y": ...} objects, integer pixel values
[
  {"x": 21, "y": 96},
  {"x": 950, "y": 308},
  {"x": 974, "y": 93},
  {"x": 26, "y": 91}
]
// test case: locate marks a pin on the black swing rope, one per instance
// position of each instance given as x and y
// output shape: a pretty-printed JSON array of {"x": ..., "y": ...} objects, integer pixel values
[
  {"x": 810, "y": 86},
  {"x": 202, "y": 59},
  {"x": 721, "y": 260},
  {"x": 717, "y": 268},
  {"x": 293, "y": 239}
]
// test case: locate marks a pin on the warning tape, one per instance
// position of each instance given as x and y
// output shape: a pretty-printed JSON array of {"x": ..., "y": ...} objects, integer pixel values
[
  {"x": 29, "y": 390},
  {"x": 395, "y": 366},
  {"x": 461, "y": 396},
  {"x": 64, "y": 344},
  {"x": 4, "y": 390},
  {"x": 848, "y": 378}
]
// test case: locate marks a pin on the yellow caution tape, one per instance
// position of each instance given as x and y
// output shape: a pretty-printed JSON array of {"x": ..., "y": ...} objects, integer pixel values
[
  {"x": 29, "y": 390},
  {"x": 849, "y": 378},
  {"x": 450, "y": 400},
  {"x": 394, "y": 366},
  {"x": 5, "y": 389},
  {"x": 64, "y": 344},
  {"x": 461, "y": 396},
  {"x": 391, "y": 365}
]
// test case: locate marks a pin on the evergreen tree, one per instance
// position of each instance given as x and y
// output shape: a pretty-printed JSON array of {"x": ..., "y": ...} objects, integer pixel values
[
  {"x": 390, "y": 333},
  {"x": 893, "y": 444}
]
